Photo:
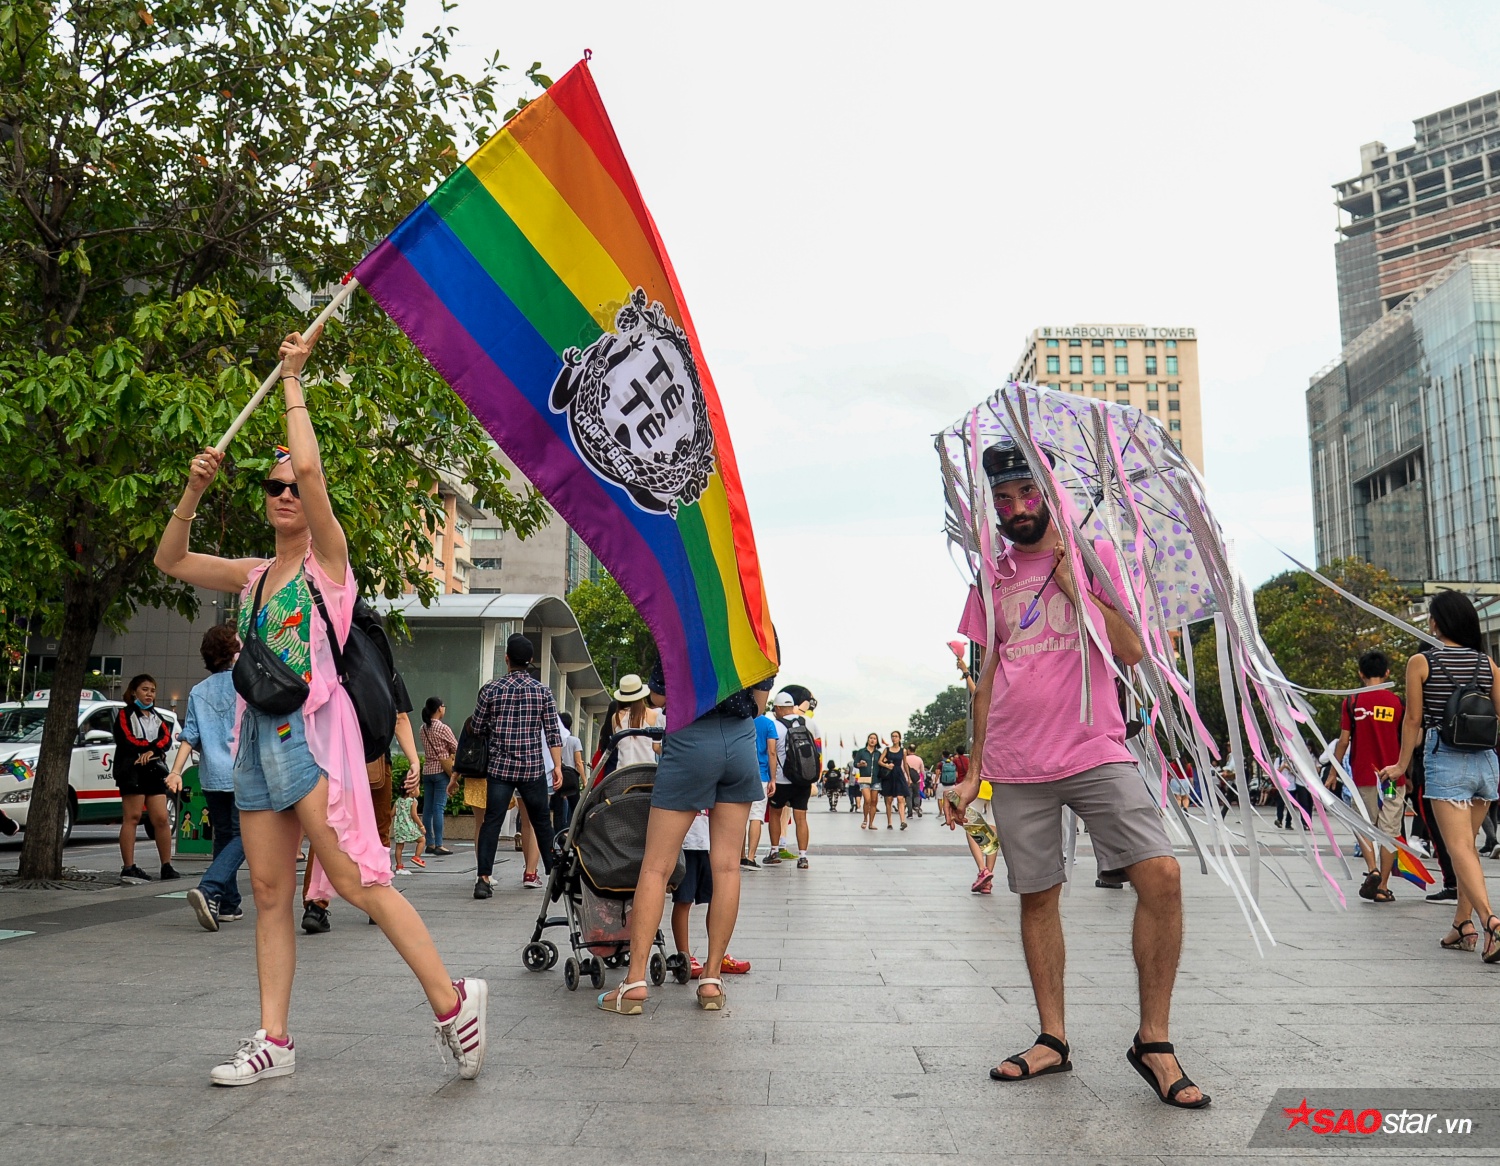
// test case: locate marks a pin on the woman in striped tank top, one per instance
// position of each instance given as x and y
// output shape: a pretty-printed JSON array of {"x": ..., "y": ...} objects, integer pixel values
[{"x": 1460, "y": 784}]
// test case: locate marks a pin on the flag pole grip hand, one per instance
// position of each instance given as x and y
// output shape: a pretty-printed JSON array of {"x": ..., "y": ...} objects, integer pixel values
[{"x": 265, "y": 386}]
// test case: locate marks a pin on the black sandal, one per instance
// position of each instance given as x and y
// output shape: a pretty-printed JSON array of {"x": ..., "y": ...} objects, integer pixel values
[
  {"x": 1491, "y": 936},
  {"x": 1047, "y": 1041},
  {"x": 1383, "y": 895},
  {"x": 1135, "y": 1056}
]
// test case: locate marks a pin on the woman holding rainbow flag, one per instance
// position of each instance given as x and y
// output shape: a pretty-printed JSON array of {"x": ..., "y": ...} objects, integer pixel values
[{"x": 299, "y": 761}]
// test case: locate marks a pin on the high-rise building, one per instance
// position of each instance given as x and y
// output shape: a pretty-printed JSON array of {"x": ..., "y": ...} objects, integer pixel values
[
  {"x": 1409, "y": 211},
  {"x": 1404, "y": 430},
  {"x": 1154, "y": 369},
  {"x": 552, "y": 561}
]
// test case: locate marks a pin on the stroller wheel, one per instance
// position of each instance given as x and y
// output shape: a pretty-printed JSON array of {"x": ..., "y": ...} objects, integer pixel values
[
  {"x": 570, "y": 974},
  {"x": 535, "y": 957},
  {"x": 551, "y": 953},
  {"x": 657, "y": 967},
  {"x": 679, "y": 968},
  {"x": 596, "y": 972}
]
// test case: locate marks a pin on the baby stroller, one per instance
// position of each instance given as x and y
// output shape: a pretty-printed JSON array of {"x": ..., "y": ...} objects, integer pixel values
[{"x": 594, "y": 874}]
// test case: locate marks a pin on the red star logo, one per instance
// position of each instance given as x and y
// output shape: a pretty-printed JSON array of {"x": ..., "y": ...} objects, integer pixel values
[{"x": 1298, "y": 1115}]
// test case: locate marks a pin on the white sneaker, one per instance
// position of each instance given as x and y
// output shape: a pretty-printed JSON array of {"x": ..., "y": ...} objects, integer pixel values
[
  {"x": 256, "y": 1058},
  {"x": 463, "y": 1033}
]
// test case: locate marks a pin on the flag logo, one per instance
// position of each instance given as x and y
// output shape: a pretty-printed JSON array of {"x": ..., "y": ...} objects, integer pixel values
[{"x": 636, "y": 411}]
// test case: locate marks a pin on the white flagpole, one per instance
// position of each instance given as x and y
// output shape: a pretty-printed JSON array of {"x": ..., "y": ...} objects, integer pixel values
[{"x": 265, "y": 386}]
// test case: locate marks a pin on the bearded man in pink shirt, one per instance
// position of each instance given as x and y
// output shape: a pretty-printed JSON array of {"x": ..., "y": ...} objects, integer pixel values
[{"x": 1039, "y": 757}]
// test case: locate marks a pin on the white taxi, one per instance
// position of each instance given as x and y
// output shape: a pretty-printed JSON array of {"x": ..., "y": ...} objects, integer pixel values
[{"x": 92, "y": 793}]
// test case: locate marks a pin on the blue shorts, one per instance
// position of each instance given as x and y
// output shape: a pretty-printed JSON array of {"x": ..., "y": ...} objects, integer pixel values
[
  {"x": 273, "y": 768},
  {"x": 708, "y": 762},
  {"x": 697, "y": 884},
  {"x": 1457, "y": 775}
]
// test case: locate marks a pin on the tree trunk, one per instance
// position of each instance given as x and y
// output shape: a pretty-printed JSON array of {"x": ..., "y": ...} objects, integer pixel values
[{"x": 41, "y": 855}]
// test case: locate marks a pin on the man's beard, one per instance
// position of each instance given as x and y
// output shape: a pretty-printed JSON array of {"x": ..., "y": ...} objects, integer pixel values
[{"x": 1038, "y": 531}]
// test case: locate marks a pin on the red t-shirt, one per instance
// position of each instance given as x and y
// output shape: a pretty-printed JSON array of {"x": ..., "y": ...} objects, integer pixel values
[
  {"x": 1373, "y": 721},
  {"x": 961, "y": 766}
]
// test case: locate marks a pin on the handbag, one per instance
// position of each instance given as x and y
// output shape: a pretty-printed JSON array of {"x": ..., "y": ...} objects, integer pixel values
[
  {"x": 473, "y": 756},
  {"x": 261, "y": 677}
]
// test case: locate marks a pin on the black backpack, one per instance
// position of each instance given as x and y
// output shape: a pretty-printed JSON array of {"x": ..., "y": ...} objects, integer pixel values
[
  {"x": 1469, "y": 723},
  {"x": 367, "y": 673},
  {"x": 799, "y": 756}
]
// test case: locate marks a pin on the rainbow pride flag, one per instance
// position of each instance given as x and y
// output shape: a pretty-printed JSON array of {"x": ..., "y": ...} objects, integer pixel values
[
  {"x": 1409, "y": 867},
  {"x": 536, "y": 282}
]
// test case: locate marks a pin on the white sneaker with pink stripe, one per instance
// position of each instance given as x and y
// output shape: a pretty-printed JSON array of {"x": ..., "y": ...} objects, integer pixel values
[
  {"x": 463, "y": 1032},
  {"x": 256, "y": 1057}
]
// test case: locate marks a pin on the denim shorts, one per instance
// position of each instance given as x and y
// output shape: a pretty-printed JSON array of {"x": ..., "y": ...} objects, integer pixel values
[
  {"x": 273, "y": 768},
  {"x": 1458, "y": 775},
  {"x": 709, "y": 761}
]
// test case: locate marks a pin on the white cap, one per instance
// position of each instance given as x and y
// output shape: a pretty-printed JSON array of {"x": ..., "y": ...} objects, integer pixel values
[{"x": 784, "y": 701}]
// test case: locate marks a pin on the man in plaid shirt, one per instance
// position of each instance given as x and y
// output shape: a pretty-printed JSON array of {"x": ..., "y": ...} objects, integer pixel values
[{"x": 515, "y": 713}]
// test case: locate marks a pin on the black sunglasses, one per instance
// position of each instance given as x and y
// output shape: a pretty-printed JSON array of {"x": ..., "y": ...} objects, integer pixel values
[{"x": 275, "y": 488}]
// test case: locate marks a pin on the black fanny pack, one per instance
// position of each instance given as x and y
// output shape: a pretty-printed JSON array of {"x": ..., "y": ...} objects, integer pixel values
[{"x": 262, "y": 677}]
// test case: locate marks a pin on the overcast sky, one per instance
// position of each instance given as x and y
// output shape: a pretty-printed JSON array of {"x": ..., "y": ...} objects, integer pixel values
[{"x": 870, "y": 206}]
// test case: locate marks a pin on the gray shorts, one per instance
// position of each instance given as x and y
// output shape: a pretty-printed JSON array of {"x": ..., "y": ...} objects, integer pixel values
[
  {"x": 707, "y": 762},
  {"x": 1124, "y": 823}
]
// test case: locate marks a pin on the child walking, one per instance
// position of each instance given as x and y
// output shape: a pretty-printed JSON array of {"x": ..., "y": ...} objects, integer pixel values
[
  {"x": 697, "y": 886},
  {"x": 407, "y": 827}
]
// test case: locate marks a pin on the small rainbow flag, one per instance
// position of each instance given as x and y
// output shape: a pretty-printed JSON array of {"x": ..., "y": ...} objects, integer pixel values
[
  {"x": 284, "y": 730},
  {"x": 1410, "y": 868},
  {"x": 536, "y": 282}
]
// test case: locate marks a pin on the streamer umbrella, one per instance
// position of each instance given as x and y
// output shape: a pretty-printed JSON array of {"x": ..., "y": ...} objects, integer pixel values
[{"x": 1110, "y": 473}]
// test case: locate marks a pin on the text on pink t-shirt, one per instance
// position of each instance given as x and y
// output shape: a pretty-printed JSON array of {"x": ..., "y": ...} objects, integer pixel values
[{"x": 1033, "y": 732}]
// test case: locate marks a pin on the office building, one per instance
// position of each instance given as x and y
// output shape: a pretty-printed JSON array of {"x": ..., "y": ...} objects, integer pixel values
[
  {"x": 552, "y": 561},
  {"x": 1404, "y": 429},
  {"x": 1410, "y": 211},
  {"x": 1154, "y": 369}
]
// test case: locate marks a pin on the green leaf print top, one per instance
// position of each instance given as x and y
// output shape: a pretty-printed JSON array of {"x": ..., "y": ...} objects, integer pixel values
[{"x": 284, "y": 623}]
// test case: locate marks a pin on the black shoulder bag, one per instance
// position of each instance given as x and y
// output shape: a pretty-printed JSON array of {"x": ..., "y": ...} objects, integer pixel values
[
  {"x": 262, "y": 677},
  {"x": 366, "y": 677},
  {"x": 473, "y": 756}
]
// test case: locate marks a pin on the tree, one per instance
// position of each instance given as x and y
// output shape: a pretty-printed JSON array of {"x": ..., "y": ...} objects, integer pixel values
[
  {"x": 1314, "y": 634},
  {"x": 943, "y": 724},
  {"x": 171, "y": 176},
  {"x": 614, "y": 631}
]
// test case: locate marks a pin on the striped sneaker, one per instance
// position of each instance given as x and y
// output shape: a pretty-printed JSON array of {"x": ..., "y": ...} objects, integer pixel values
[
  {"x": 256, "y": 1057},
  {"x": 463, "y": 1032}
]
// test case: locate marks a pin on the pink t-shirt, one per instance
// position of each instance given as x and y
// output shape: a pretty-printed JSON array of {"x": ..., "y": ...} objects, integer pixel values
[{"x": 1033, "y": 732}]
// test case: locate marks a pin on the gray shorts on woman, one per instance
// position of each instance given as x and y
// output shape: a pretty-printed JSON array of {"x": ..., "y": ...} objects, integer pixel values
[
  {"x": 1124, "y": 822},
  {"x": 710, "y": 761}
]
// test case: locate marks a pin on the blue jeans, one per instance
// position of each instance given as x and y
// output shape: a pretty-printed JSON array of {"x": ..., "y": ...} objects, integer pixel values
[
  {"x": 434, "y": 799},
  {"x": 221, "y": 880}
]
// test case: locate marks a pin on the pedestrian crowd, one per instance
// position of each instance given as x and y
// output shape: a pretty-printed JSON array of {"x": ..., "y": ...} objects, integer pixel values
[{"x": 289, "y": 752}]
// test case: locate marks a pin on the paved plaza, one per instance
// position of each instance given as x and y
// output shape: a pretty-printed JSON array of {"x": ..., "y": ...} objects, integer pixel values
[{"x": 881, "y": 992}]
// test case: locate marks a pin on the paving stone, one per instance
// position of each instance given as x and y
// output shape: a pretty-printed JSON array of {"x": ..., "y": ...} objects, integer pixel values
[{"x": 882, "y": 992}]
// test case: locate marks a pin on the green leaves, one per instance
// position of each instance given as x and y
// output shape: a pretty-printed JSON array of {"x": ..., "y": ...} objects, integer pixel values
[
  {"x": 180, "y": 173},
  {"x": 617, "y": 637},
  {"x": 1315, "y": 635}
]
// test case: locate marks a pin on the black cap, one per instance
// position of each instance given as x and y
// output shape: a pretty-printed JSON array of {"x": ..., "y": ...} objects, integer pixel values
[
  {"x": 518, "y": 650},
  {"x": 1004, "y": 462}
]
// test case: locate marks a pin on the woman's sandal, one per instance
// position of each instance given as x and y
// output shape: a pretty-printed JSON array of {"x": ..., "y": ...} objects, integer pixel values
[
  {"x": 1491, "y": 940},
  {"x": 710, "y": 1003},
  {"x": 617, "y": 1003},
  {"x": 1466, "y": 939},
  {"x": 1136, "y": 1056},
  {"x": 1383, "y": 895},
  {"x": 1047, "y": 1041}
]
